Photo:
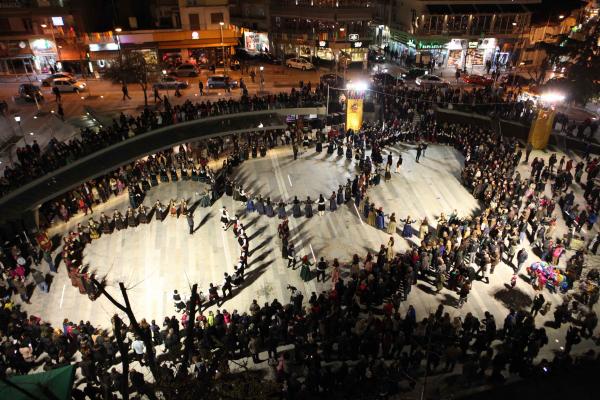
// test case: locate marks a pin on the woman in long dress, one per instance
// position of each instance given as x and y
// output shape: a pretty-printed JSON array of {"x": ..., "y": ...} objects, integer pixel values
[
  {"x": 93, "y": 227},
  {"x": 321, "y": 205},
  {"x": 424, "y": 228},
  {"x": 380, "y": 219},
  {"x": 308, "y": 211},
  {"x": 332, "y": 202},
  {"x": 305, "y": 273},
  {"x": 281, "y": 213},
  {"x": 269, "y": 208},
  {"x": 391, "y": 229},
  {"x": 371, "y": 217},
  {"x": 296, "y": 212},
  {"x": 407, "y": 231},
  {"x": 250, "y": 205},
  {"x": 173, "y": 208},
  {"x": 260, "y": 205},
  {"x": 389, "y": 252}
]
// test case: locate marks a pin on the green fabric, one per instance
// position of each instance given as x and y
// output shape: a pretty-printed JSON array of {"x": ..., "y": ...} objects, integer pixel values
[{"x": 51, "y": 385}]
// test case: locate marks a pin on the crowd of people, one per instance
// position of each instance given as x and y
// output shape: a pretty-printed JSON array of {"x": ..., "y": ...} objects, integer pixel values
[
  {"x": 350, "y": 337},
  {"x": 34, "y": 163}
]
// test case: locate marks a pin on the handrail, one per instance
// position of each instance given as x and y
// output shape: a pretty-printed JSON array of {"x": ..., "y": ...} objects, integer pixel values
[{"x": 47, "y": 187}]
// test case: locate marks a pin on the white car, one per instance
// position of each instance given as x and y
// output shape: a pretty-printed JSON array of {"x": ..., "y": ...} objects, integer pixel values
[
  {"x": 299, "y": 63},
  {"x": 431, "y": 80},
  {"x": 49, "y": 79},
  {"x": 68, "y": 85}
]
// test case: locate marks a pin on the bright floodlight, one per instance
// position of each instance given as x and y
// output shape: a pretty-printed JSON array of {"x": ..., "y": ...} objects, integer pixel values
[
  {"x": 17, "y": 118},
  {"x": 260, "y": 125},
  {"x": 359, "y": 86},
  {"x": 221, "y": 23},
  {"x": 552, "y": 97},
  {"x": 118, "y": 30}
]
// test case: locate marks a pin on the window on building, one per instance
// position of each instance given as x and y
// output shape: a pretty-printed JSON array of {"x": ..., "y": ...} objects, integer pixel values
[
  {"x": 215, "y": 18},
  {"x": 194, "y": 21},
  {"x": 133, "y": 22}
]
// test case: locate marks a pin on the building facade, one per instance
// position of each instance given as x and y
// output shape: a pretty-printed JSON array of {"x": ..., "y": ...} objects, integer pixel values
[{"x": 462, "y": 34}]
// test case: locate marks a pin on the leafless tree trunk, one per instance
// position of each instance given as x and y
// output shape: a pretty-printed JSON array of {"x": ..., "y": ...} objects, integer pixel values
[{"x": 124, "y": 350}]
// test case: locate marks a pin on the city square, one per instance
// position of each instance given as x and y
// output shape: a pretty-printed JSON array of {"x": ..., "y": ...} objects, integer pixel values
[{"x": 370, "y": 222}]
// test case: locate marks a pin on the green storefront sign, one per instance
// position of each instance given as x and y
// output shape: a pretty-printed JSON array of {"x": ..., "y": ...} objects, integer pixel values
[{"x": 430, "y": 45}]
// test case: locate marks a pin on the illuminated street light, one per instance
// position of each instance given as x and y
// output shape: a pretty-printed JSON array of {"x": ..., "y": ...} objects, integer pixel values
[
  {"x": 118, "y": 30},
  {"x": 44, "y": 26},
  {"x": 17, "y": 119},
  {"x": 342, "y": 29},
  {"x": 561, "y": 16},
  {"x": 514, "y": 24},
  {"x": 358, "y": 86},
  {"x": 552, "y": 97}
]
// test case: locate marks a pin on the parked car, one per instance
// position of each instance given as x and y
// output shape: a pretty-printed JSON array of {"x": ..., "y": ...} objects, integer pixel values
[
  {"x": 299, "y": 63},
  {"x": 170, "y": 82},
  {"x": 268, "y": 58},
  {"x": 430, "y": 81},
  {"x": 184, "y": 70},
  {"x": 332, "y": 80},
  {"x": 48, "y": 80},
  {"x": 68, "y": 85},
  {"x": 30, "y": 92},
  {"x": 515, "y": 80},
  {"x": 221, "y": 81},
  {"x": 414, "y": 73},
  {"x": 481, "y": 80},
  {"x": 386, "y": 78},
  {"x": 376, "y": 56}
]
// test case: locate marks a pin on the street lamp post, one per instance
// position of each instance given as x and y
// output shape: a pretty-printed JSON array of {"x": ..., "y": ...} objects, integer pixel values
[
  {"x": 18, "y": 121},
  {"x": 164, "y": 72},
  {"x": 223, "y": 48},
  {"x": 262, "y": 79}
]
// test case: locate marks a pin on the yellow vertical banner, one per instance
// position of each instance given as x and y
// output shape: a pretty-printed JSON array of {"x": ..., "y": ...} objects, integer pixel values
[
  {"x": 541, "y": 127},
  {"x": 354, "y": 114}
]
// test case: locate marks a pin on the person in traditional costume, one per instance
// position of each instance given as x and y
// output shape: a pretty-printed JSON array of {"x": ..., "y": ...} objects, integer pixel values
[
  {"x": 391, "y": 229},
  {"x": 296, "y": 212},
  {"x": 340, "y": 195},
  {"x": 142, "y": 215},
  {"x": 321, "y": 205},
  {"x": 380, "y": 219},
  {"x": 93, "y": 227},
  {"x": 250, "y": 205},
  {"x": 407, "y": 231},
  {"x": 281, "y": 213},
  {"x": 424, "y": 228},
  {"x": 131, "y": 219},
  {"x": 159, "y": 210},
  {"x": 183, "y": 208},
  {"x": 173, "y": 208},
  {"x": 308, "y": 211},
  {"x": 105, "y": 224},
  {"x": 305, "y": 273},
  {"x": 371, "y": 215},
  {"x": 269, "y": 208},
  {"x": 332, "y": 202},
  {"x": 260, "y": 205}
]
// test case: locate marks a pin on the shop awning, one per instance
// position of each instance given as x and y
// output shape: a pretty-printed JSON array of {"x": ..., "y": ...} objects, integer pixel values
[
  {"x": 198, "y": 43},
  {"x": 55, "y": 384}
]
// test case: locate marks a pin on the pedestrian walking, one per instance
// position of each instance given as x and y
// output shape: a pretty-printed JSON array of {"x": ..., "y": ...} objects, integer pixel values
[
  {"x": 61, "y": 112},
  {"x": 56, "y": 93},
  {"x": 321, "y": 267},
  {"x": 538, "y": 303},
  {"x": 226, "y": 287},
  {"x": 419, "y": 150},
  {"x": 40, "y": 280},
  {"x": 521, "y": 259},
  {"x": 291, "y": 256},
  {"x": 157, "y": 96},
  {"x": 201, "y": 88},
  {"x": 125, "y": 91},
  {"x": 465, "y": 289},
  {"x": 190, "y": 221}
]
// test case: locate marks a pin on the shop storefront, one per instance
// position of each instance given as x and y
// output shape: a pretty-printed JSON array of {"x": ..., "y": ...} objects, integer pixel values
[
  {"x": 430, "y": 52},
  {"x": 256, "y": 41},
  {"x": 102, "y": 55},
  {"x": 16, "y": 57},
  {"x": 402, "y": 46}
]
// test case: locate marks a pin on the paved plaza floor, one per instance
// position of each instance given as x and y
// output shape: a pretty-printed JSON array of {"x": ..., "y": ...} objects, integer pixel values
[{"x": 154, "y": 259}]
